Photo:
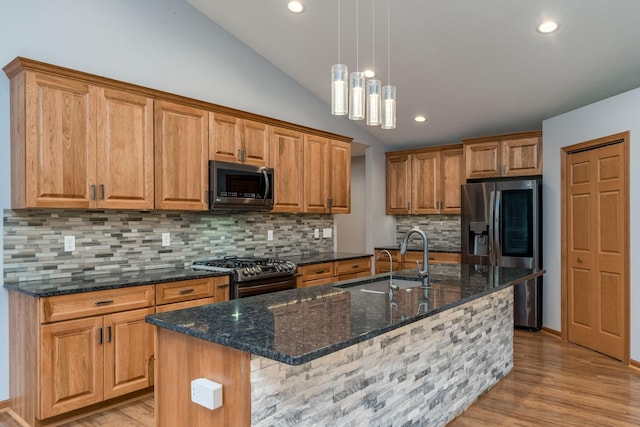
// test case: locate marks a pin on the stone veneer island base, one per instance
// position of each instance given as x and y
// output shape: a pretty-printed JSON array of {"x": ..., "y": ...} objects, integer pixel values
[{"x": 422, "y": 373}]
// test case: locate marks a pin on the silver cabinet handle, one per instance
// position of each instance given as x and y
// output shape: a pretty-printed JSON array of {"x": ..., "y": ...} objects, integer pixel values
[
  {"x": 93, "y": 191},
  {"x": 101, "y": 191}
]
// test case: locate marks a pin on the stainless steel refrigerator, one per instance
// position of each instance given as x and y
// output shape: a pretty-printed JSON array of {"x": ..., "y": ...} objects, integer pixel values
[{"x": 502, "y": 225}]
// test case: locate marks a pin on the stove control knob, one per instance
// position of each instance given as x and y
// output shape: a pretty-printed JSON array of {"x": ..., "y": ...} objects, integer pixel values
[
  {"x": 246, "y": 272},
  {"x": 258, "y": 269}
]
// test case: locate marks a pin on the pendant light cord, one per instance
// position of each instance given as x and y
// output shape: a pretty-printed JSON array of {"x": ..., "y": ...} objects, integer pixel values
[
  {"x": 357, "y": 36},
  {"x": 373, "y": 33},
  {"x": 388, "y": 44},
  {"x": 339, "y": 32}
]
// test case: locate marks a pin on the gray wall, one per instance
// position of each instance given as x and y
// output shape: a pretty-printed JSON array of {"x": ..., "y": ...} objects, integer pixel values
[
  {"x": 166, "y": 45},
  {"x": 613, "y": 115},
  {"x": 350, "y": 229}
]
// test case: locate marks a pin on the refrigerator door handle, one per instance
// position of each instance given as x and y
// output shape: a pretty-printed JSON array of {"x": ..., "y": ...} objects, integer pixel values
[
  {"x": 492, "y": 199},
  {"x": 497, "y": 228}
]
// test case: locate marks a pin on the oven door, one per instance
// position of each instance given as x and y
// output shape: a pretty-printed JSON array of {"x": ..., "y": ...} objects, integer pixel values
[
  {"x": 240, "y": 187},
  {"x": 263, "y": 286}
]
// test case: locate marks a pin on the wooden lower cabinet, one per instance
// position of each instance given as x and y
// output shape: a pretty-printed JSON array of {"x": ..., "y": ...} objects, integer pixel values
[
  {"x": 408, "y": 260},
  {"x": 334, "y": 271},
  {"x": 69, "y": 352}
]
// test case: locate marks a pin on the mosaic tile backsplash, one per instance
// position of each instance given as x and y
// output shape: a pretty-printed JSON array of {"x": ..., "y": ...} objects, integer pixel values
[
  {"x": 443, "y": 231},
  {"x": 109, "y": 241}
]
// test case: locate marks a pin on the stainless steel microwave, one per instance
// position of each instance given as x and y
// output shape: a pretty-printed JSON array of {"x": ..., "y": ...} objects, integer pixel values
[{"x": 240, "y": 187}]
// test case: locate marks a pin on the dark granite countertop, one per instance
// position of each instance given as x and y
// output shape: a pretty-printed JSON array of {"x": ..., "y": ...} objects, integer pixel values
[
  {"x": 99, "y": 282},
  {"x": 303, "y": 259},
  {"x": 122, "y": 279},
  {"x": 300, "y": 325},
  {"x": 419, "y": 248}
]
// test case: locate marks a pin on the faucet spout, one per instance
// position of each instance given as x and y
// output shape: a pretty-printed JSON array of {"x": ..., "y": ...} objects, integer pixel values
[
  {"x": 423, "y": 273},
  {"x": 386, "y": 252}
]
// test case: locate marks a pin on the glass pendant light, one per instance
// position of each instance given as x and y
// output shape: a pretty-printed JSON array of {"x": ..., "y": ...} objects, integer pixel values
[
  {"x": 339, "y": 84},
  {"x": 356, "y": 98},
  {"x": 388, "y": 107},
  {"x": 388, "y": 91},
  {"x": 339, "y": 90},
  {"x": 373, "y": 102},
  {"x": 373, "y": 85}
]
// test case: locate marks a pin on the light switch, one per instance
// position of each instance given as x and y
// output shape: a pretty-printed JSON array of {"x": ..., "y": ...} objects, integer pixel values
[
  {"x": 316, "y": 233},
  {"x": 326, "y": 233},
  {"x": 166, "y": 239},
  {"x": 269, "y": 234}
]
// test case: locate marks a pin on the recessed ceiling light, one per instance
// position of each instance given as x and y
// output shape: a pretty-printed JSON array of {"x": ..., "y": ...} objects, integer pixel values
[
  {"x": 548, "y": 27},
  {"x": 420, "y": 119},
  {"x": 295, "y": 7},
  {"x": 369, "y": 74}
]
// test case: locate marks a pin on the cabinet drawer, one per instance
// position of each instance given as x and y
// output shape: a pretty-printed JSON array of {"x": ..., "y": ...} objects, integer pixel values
[
  {"x": 318, "y": 271},
  {"x": 353, "y": 266},
  {"x": 184, "y": 304},
  {"x": 354, "y": 275},
  {"x": 185, "y": 290},
  {"x": 74, "y": 306},
  {"x": 444, "y": 258},
  {"x": 317, "y": 282}
]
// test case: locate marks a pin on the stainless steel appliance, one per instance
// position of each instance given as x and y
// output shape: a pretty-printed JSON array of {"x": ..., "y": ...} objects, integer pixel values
[
  {"x": 502, "y": 225},
  {"x": 240, "y": 187},
  {"x": 253, "y": 276}
]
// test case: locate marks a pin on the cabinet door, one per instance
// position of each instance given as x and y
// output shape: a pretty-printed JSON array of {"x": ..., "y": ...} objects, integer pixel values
[
  {"x": 340, "y": 177},
  {"x": 181, "y": 153},
  {"x": 451, "y": 178},
  {"x": 221, "y": 291},
  {"x": 316, "y": 173},
  {"x": 225, "y": 138},
  {"x": 255, "y": 143},
  {"x": 60, "y": 142},
  {"x": 425, "y": 186},
  {"x": 286, "y": 160},
  {"x": 128, "y": 352},
  {"x": 398, "y": 176},
  {"x": 124, "y": 158},
  {"x": 522, "y": 156},
  {"x": 71, "y": 365},
  {"x": 482, "y": 160}
]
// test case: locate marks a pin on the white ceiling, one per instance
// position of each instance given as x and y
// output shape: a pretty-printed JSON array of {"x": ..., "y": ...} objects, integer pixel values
[{"x": 473, "y": 67}]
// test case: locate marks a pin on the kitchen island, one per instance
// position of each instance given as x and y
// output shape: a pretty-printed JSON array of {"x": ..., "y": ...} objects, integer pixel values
[{"x": 342, "y": 354}]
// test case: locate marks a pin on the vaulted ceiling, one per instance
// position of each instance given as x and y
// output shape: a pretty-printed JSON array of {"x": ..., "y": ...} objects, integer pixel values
[{"x": 473, "y": 68}]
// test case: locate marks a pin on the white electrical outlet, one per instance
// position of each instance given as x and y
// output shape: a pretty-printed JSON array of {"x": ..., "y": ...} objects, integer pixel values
[
  {"x": 206, "y": 393},
  {"x": 69, "y": 243},
  {"x": 166, "y": 239},
  {"x": 326, "y": 233},
  {"x": 316, "y": 233},
  {"x": 269, "y": 234}
]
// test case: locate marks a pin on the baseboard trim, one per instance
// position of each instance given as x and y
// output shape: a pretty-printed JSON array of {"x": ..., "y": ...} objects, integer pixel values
[
  {"x": 553, "y": 332},
  {"x": 4, "y": 404},
  {"x": 634, "y": 364}
]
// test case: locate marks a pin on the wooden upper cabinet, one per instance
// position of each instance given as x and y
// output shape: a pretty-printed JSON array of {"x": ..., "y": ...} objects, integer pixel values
[
  {"x": 452, "y": 177},
  {"x": 287, "y": 162},
  {"x": 316, "y": 174},
  {"x": 340, "y": 177},
  {"x": 53, "y": 143},
  {"x": 424, "y": 181},
  {"x": 327, "y": 175},
  {"x": 181, "y": 157},
  {"x": 398, "y": 188},
  {"x": 503, "y": 155},
  {"x": 124, "y": 150},
  {"x": 238, "y": 141}
]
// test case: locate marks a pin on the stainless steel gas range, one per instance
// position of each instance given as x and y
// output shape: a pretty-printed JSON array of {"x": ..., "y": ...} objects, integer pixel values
[{"x": 253, "y": 276}]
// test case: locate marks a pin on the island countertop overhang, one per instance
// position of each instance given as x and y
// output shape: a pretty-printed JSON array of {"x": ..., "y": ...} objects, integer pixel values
[{"x": 300, "y": 325}]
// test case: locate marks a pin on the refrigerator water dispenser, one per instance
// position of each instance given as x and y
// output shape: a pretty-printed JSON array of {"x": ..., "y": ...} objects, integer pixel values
[{"x": 478, "y": 238}]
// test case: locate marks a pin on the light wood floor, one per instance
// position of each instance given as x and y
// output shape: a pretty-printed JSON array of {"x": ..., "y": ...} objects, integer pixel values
[{"x": 553, "y": 383}]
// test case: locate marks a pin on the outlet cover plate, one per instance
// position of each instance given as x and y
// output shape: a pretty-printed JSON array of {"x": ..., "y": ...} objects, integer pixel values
[
  {"x": 166, "y": 239},
  {"x": 326, "y": 233}
]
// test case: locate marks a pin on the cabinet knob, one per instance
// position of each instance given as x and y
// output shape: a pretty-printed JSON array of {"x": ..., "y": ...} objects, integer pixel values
[{"x": 579, "y": 260}]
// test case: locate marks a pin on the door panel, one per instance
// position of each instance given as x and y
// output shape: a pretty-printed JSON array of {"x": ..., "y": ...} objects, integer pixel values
[{"x": 596, "y": 191}]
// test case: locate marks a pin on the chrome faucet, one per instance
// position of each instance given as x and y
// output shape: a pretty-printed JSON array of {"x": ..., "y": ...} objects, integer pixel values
[
  {"x": 384, "y": 251},
  {"x": 423, "y": 274}
]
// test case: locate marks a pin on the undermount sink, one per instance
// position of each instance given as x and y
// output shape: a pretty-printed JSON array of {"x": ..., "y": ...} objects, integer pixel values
[{"x": 381, "y": 286}]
